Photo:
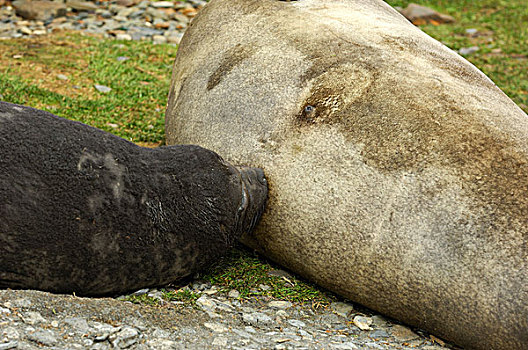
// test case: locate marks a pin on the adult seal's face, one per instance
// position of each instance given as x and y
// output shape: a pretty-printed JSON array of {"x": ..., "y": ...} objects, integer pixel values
[{"x": 398, "y": 172}]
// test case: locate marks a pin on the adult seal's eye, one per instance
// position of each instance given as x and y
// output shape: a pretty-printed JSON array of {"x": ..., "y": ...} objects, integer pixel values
[{"x": 309, "y": 109}]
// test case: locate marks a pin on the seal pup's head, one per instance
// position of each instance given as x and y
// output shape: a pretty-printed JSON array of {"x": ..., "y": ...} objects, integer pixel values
[{"x": 254, "y": 197}]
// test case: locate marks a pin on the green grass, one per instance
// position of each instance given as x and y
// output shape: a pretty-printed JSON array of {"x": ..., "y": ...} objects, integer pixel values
[
  {"x": 502, "y": 38},
  {"x": 135, "y": 107},
  {"x": 246, "y": 272}
]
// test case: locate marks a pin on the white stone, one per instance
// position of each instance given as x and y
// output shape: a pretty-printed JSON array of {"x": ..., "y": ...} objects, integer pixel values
[
  {"x": 215, "y": 327},
  {"x": 363, "y": 323},
  {"x": 279, "y": 304},
  {"x": 162, "y": 4}
]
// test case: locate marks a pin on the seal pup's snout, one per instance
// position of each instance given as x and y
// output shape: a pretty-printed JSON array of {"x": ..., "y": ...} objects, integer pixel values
[{"x": 254, "y": 197}]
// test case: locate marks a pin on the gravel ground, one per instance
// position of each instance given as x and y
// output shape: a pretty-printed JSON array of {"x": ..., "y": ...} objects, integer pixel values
[
  {"x": 36, "y": 320},
  {"x": 157, "y": 21}
]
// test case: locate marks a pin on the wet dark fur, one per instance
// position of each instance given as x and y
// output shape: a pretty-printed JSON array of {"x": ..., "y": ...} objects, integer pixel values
[{"x": 85, "y": 211}]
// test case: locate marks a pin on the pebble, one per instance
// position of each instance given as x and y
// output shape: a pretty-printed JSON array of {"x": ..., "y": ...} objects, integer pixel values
[
  {"x": 33, "y": 318},
  {"x": 279, "y": 304},
  {"x": 9, "y": 345},
  {"x": 403, "y": 333},
  {"x": 62, "y": 77},
  {"x": 297, "y": 323},
  {"x": 102, "y": 88},
  {"x": 342, "y": 309},
  {"x": 464, "y": 51},
  {"x": 215, "y": 327},
  {"x": 44, "y": 337},
  {"x": 233, "y": 293},
  {"x": 125, "y": 338},
  {"x": 363, "y": 323},
  {"x": 257, "y": 319}
]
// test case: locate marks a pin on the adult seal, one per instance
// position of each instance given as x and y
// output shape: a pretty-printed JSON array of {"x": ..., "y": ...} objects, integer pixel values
[
  {"x": 85, "y": 211},
  {"x": 398, "y": 172}
]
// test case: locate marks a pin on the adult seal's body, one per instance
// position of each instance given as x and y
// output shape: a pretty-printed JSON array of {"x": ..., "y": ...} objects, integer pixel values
[
  {"x": 398, "y": 172},
  {"x": 87, "y": 212}
]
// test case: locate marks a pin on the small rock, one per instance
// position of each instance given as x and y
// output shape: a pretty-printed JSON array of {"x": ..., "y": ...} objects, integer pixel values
[
  {"x": 342, "y": 309},
  {"x": 9, "y": 333},
  {"x": 224, "y": 306},
  {"x": 250, "y": 329},
  {"x": 9, "y": 345},
  {"x": 125, "y": 3},
  {"x": 464, "y": 51},
  {"x": 78, "y": 323},
  {"x": 213, "y": 289},
  {"x": 403, "y": 333},
  {"x": 345, "y": 346},
  {"x": 363, "y": 323},
  {"x": 175, "y": 39},
  {"x": 379, "y": 321},
  {"x": 379, "y": 333},
  {"x": 297, "y": 323},
  {"x": 33, "y": 318},
  {"x": 257, "y": 319},
  {"x": 102, "y": 88},
  {"x": 25, "y": 30},
  {"x": 162, "y": 344},
  {"x": 206, "y": 303},
  {"x": 471, "y": 31},
  {"x": 264, "y": 287},
  {"x": 162, "y": 4},
  {"x": 144, "y": 290},
  {"x": 420, "y": 15},
  {"x": 125, "y": 338},
  {"x": 279, "y": 304},
  {"x": 123, "y": 36},
  {"x": 39, "y": 9},
  {"x": 80, "y": 5},
  {"x": 280, "y": 273},
  {"x": 162, "y": 25},
  {"x": 220, "y": 342},
  {"x": 281, "y": 313},
  {"x": 62, "y": 77},
  {"x": 122, "y": 59},
  {"x": 215, "y": 327},
  {"x": 3, "y": 310},
  {"x": 233, "y": 293},
  {"x": 44, "y": 337},
  {"x": 159, "y": 39},
  {"x": 101, "y": 331}
]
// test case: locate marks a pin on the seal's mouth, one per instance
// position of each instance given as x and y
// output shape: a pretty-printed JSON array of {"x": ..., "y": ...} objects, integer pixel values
[{"x": 254, "y": 197}]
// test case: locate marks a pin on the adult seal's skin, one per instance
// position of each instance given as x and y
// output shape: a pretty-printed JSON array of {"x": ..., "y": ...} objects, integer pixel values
[
  {"x": 398, "y": 172},
  {"x": 87, "y": 212}
]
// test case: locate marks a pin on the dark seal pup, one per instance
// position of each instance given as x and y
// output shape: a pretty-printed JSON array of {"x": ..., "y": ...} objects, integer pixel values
[{"x": 85, "y": 211}]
